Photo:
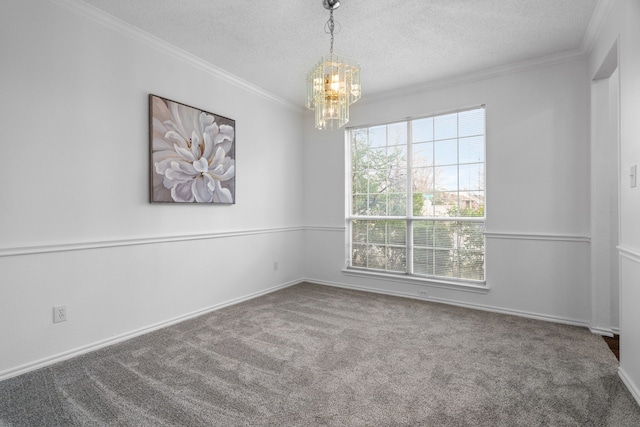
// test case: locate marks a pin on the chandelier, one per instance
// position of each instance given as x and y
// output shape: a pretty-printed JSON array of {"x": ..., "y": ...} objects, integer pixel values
[{"x": 333, "y": 84}]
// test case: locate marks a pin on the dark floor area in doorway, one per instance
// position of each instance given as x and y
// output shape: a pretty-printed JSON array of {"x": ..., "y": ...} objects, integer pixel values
[{"x": 614, "y": 344}]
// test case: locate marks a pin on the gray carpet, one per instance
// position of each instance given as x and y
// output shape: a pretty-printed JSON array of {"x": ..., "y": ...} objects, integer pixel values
[{"x": 312, "y": 355}]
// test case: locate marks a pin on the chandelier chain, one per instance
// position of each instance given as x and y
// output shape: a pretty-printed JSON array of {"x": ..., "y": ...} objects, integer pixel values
[{"x": 330, "y": 28}]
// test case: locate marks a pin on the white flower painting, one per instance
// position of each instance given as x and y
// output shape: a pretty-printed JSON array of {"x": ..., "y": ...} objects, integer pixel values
[{"x": 192, "y": 154}]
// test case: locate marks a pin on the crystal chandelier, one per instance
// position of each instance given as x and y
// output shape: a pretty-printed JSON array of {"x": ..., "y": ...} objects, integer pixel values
[{"x": 333, "y": 84}]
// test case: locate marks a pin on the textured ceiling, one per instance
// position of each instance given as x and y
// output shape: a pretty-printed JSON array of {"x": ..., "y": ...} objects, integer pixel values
[{"x": 398, "y": 44}]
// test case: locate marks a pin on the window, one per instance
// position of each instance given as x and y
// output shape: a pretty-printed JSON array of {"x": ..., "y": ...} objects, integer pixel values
[{"x": 417, "y": 197}]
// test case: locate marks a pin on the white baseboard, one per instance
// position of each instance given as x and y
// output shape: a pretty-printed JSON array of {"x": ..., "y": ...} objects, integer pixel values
[
  {"x": 519, "y": 313},
  {"x": 41, "y": 363},
  {"x": 605, "y": 332},
  {"x": 633, "y": 388}
]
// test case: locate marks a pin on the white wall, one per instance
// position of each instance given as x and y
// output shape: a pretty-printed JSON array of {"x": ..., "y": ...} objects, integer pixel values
[
  {"x": 622, "y": 25},
  {"x": 76, "y": 227},
  {"x": 537, "y": 249}
]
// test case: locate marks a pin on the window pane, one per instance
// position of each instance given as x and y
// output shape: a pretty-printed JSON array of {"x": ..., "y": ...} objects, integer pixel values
[
  {"x": 442, "y": 263},
  {"x": 380, "y": 245},
  {"x": 359, "y": 182},
  {"x": 422, "y": 154},
  {"x": 443, "y": 236},
  {"x": 433, "y": 234},
  {"x": 471, "y": 122},
  {"x": 396, "y": 259},
  {"x": 472, "y": 176},
  {"x": 423, "y": 233},
  {"x": 397, "y": 205},
  {"x": 377, "y": 204},
  {"x": 397, "y": 168},
  {"x": 446, "y": 126},
  {"x": 360, "y": 205},
  {"x": 445, "y": 203},
  {"x": 378, "y": 136},
  {"x": 359, "y": 256},
  {"x": 446, "y": 152},
  {"x": 356, "y": 160},
  {"x": 397, "y": 233},
  {"x": 422, "y": 205},
  {"x": 377, "y": 258},
  {"x": 397, "y": 134},
  {"x": 423, "y": 191},
  {"x": 398, "y": 180},
  {"x": 359, "y": 231},
  {"x": 374, "y": 160},
  {"x": 471, "y": 264},
  {"x": 423, "y": 261},
  {"x": 377, "y": 232},
  {"x": 358, "y": 139},
  {"x": 446, "y": 178},
  {"x": 422, "y": 180},
  {"x": 472, "y": 203},
  {"x": 473, "y": 236},
  {"x": 472, "y": 149},
  {"x": 422, "y": 129}
]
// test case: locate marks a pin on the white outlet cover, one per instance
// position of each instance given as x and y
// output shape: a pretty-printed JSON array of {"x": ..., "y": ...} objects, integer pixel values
[{"x": 59, "y": 313}]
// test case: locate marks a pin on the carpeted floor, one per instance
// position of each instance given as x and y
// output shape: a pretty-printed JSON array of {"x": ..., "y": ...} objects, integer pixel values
[{"x": 312, "y": 355}]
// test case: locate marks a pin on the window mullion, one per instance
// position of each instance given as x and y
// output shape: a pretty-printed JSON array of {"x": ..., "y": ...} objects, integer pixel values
[{"x": 409, "y": 192}]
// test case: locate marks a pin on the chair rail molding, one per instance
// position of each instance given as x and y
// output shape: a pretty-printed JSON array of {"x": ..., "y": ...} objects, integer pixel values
[{"x": 79, "y": 246}]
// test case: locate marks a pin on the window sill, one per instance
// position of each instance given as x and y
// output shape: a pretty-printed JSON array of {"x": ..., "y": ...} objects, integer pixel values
[{"x": 479, "y": 288}]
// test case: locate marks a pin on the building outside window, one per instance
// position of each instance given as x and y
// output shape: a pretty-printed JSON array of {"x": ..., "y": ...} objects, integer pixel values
[{"x": 417, "y": 197}]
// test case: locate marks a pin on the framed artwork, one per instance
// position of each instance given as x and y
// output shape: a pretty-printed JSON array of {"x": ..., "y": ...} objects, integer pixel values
[{"x": 192, "y": 154}]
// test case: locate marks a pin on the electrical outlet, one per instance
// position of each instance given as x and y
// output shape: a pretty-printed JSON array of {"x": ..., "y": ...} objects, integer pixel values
[
  {"x": 59, "y": 313},
  {"x": 275, "y": 265}
]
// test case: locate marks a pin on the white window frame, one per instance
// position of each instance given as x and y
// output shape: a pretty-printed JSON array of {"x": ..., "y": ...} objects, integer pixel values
[{"x": 409, "y": 218}]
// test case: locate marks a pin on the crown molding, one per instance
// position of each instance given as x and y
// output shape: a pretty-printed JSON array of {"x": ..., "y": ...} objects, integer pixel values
[
  {"x": 475, "y": 76},
  {"x": 599, "y": 17},
  {"x": 109, "y": 21}
]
